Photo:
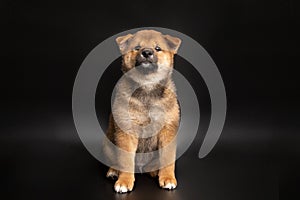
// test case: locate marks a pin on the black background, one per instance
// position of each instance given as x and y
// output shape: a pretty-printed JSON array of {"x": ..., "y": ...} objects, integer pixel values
[{"x": 253, "y": 44}]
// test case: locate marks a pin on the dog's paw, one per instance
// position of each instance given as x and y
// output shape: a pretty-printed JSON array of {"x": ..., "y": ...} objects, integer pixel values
[
  {"x": 123, "y": 186},
  {"x": 112, "y": 173},
  {"x": 169, "y": 183}
]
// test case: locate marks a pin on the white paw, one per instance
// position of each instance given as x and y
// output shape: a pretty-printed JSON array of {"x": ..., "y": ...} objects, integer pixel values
[
  {"x": 169, "y": 186},
  {"x": 112, "y": 174},
  {"x": 121, "y": 189}
]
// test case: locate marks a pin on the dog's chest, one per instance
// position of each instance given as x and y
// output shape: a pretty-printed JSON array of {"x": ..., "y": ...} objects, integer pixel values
[{"x": 147, "y": 109}]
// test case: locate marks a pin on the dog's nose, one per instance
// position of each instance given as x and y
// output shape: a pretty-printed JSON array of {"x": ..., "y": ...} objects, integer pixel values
[{"x": 147, "y": 52}]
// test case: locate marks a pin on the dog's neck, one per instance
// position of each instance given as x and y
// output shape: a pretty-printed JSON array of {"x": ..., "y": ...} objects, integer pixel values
[{"x": 153, "y": 90}]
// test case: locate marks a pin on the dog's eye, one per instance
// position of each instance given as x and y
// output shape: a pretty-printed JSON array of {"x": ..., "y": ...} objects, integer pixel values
[
  {"x": 157, "y": 48},
  {"x": 137, "y": 48}
]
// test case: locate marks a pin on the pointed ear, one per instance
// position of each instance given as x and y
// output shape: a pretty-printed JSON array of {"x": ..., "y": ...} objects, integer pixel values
[
  {"x": 122, "y": 42},
  {"x": 173, "y": 43}
]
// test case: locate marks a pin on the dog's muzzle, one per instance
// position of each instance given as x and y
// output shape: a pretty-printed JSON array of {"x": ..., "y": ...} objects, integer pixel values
[{"x": 146, "y": 61}]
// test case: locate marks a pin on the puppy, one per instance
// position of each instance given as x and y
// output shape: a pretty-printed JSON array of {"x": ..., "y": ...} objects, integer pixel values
[{"x": 145, "y": 111}]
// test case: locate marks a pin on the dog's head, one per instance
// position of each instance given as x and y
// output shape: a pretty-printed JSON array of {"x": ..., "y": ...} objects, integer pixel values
[{"x": 149, "y": 54}]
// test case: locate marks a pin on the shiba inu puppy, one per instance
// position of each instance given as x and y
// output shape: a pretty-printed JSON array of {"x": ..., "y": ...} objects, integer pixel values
[{"x": 145, "y": 115}]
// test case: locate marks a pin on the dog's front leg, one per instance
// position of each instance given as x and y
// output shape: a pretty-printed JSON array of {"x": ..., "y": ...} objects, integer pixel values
[
  {"x": 127, "y": 143},
  {"x": 167, "y": 145}
]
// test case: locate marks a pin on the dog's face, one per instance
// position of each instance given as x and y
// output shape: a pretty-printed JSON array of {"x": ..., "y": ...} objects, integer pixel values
[{"x": 148, "y": 55}]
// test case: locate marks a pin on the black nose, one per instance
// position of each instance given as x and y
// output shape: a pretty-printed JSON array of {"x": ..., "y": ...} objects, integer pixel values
[{"x": 147, "y": 53}]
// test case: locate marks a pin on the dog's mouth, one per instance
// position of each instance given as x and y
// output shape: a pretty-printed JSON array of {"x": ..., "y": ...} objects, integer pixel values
[{"x": 146, "y": 66}]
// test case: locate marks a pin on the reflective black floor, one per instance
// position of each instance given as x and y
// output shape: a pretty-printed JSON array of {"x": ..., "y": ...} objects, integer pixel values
[{"x": 43, "y": 158}]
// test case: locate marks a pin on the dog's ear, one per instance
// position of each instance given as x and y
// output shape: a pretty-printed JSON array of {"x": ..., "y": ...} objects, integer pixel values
[
  {"x": 122, "y": 42},
  {"x": 173, "y": 43}
]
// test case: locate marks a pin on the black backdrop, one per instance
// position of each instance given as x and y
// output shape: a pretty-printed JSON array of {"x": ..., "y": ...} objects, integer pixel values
[{"x": 252, "y": 43}]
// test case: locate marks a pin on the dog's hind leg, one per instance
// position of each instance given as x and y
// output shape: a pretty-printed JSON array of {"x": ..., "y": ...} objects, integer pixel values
[{"x": 109, "y": 152}]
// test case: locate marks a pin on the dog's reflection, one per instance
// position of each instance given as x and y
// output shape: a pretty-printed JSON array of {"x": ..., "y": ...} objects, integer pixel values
[{"x": 157, "y": 195}]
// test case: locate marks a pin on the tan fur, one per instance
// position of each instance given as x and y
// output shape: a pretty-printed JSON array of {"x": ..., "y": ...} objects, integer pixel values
[{"x": 158, "y": 94}]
